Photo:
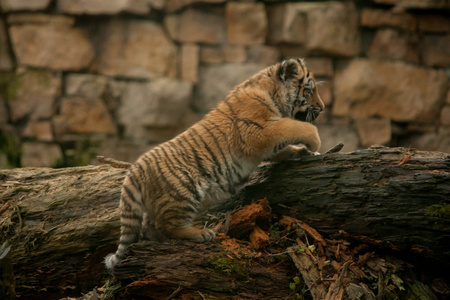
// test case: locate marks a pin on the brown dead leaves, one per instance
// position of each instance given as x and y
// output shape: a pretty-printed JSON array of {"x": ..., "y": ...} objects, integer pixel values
[{"x": 331, "y": 269}]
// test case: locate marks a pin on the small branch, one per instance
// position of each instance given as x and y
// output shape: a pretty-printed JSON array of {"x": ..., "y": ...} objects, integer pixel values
[
  {"x": 336, "y": 148},
  {"x": 368, "y": 240},
  {"x": 405, "y": 159},
  {"x": 115, "y": 163},
  {"x": 175, "y": 293},
  {"x": 311, "y": 275},
  {"x": 5, "y": 207},
  {"x": 335, "y": 291}
]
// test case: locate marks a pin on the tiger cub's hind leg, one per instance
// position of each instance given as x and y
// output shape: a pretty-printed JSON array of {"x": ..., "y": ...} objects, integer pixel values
[
  {"x": 177, "y": 223},
  {"x": 191, "y": 233},
  {"x": 149, "y": 231}
]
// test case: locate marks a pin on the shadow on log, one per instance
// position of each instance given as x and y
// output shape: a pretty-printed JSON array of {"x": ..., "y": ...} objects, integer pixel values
[{"x": 62, "y": 222}]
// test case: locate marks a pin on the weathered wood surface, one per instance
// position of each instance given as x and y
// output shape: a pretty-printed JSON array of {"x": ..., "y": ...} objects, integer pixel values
[
  {"x": 62, "y": 222},
  {"x": 394, "y": 195},
  {"x": 208, "y": 268}
]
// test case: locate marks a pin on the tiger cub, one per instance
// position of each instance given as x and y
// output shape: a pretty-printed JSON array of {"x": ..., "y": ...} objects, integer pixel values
[{"x": 264, "y": 117}]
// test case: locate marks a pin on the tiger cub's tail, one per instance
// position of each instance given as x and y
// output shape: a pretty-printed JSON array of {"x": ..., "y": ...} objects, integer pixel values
[{"x": 131, "y": 214}]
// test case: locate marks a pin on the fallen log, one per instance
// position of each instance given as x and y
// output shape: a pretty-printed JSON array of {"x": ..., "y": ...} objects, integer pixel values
[
  {"x": 62, "y": 222},
  {"x": 397, "y": 196},
  {"x": 228, "y": 268}
]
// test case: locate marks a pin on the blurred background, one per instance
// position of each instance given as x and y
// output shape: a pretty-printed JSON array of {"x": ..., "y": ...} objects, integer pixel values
[{"x": 114, "y": 77}]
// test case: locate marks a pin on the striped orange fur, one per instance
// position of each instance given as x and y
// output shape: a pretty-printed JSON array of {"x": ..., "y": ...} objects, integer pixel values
[{"x": 264, "y": 117}]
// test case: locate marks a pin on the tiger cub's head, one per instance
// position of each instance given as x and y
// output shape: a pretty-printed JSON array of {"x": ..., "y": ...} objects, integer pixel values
[{"x": 300, "y": 99}]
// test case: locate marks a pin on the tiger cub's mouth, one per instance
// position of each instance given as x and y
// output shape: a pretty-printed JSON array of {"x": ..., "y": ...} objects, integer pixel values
[{"x": 309, "y": 115}]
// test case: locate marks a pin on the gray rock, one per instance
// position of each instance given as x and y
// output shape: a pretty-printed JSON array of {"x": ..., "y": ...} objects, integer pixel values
[
  {"x": 135, "y": 49},
  {"x": 32, "y": 95},
  {"x": 395, "y": 90},
  {"x": 85, "y": 85},
  {"x": 216, "y": 81},
  {"x": 159, "y": 104}
]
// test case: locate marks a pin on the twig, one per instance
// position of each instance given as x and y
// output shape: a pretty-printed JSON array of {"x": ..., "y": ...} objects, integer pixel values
[
  {"x": 335, "y": 292},
  {"x": 115, "y": 163},
  {"x": 368, "y": 240},
  {"x": 287, "y": 221},
  {"x": 307, "y": 251},
  {"x": 341, "y": 276},
  {"x": 175, "y": 293},
  {"x": 4, "y": 249},
  {"x": 313, "y": 233},
  {"x": 5, "y": 207},
  {"x": 19, "y": 216},
  {"x": 203, "y": 297},
  {"x": 380, "y": 286},
  {"x": 277, "y": 254},
  {"x": 336, "y": 148},
  {"x": 311, "y": 275},
  {"x": 405, "y": 159},
  {"x": 226, "y": 225}
]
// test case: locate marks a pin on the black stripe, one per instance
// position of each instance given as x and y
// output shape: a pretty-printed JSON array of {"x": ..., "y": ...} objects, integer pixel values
[
  {"x": 225, "y": 114},
  {"x": 133, "y": 180},
  {"x": 275, "y": 91},
  {"x": 261, "y": 101},
  {"x": 248, "y": 121},
  {"x": 171, "y": 189},
  {"x": 194, "y": 155},
  {"x": 259, "y": 77},
  {"x": 219, "y": 148},
  {"x": 248, "y": 82},
  {"x": 232, "y": 95},
  {"x": 180, "y": 210},
  {"x": 149, "y": 162},
  {"x": 137, "y": 179},
  {"x": 141, "y": 173},
  {"x": 211, "y": 153},
  {"x": 234, "y": 161},
  {"x": 212, "y": 159},
  {"x": 174, "y": 220},
  {"x": 128, "y": 193},
  {"x": 128, "y": 241},
  {"x": 197, "y": 158},
  {"x": 129, "y": 214},
  {"x": 189, "y": 186},
  {"x": 231, "y": 109},
  {"x": 127, "y": 228}
]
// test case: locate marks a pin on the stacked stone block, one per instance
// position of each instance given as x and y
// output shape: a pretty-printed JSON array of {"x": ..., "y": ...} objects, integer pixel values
[{"x": 114, "y": 77}]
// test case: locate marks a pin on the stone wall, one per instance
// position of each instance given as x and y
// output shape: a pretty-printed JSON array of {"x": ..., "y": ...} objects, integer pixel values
[{"x": 113, "y": 77}]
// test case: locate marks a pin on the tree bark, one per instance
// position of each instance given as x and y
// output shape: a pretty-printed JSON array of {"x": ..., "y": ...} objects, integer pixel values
[
  {"x": 396, "y": 195},
  {"x": 62, "y": 222}
]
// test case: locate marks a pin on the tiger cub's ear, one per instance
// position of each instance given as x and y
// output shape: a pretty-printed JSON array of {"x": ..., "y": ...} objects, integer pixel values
[{"x": 288, "y": 69}]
